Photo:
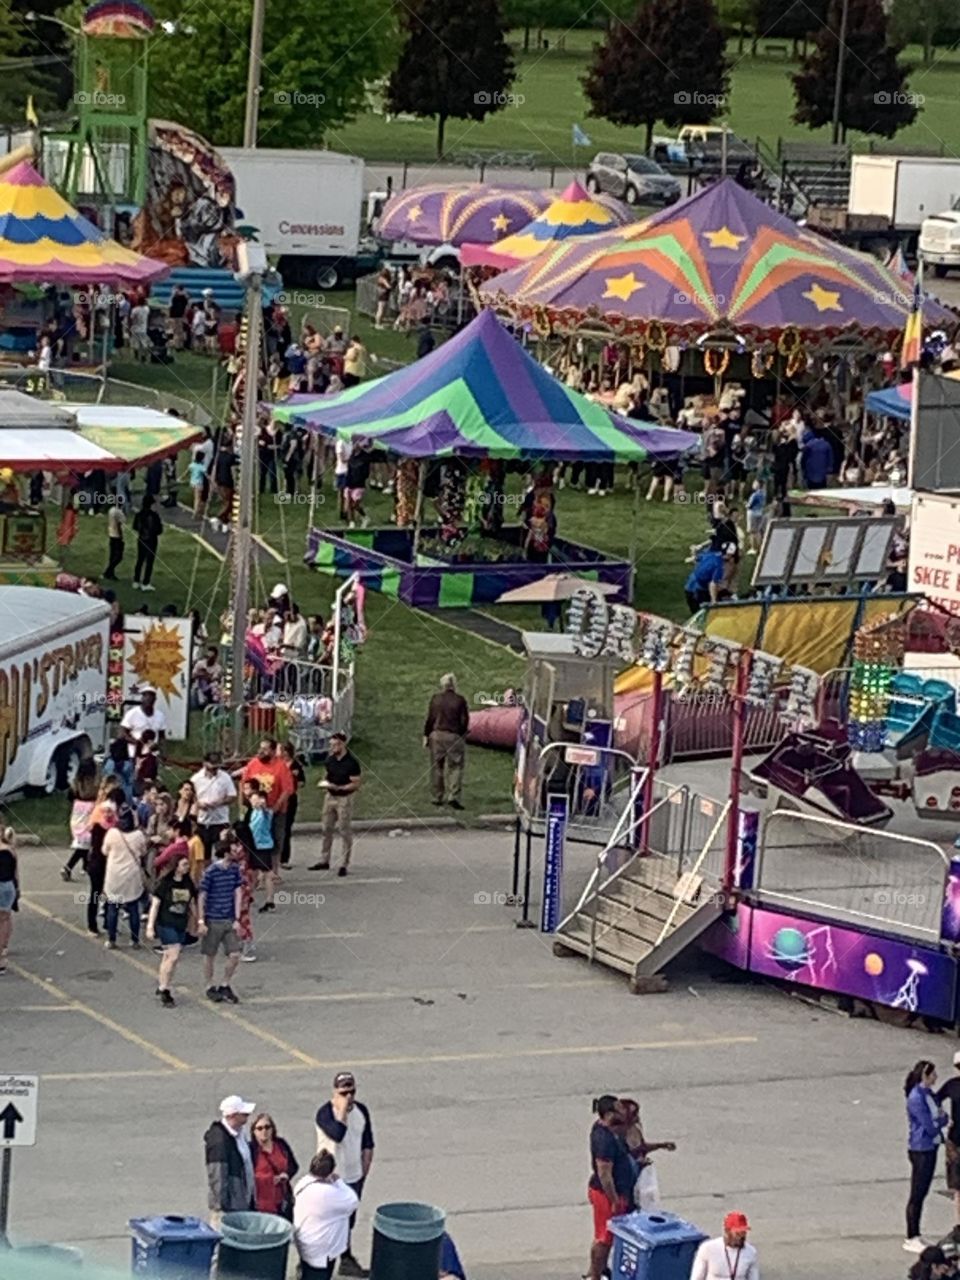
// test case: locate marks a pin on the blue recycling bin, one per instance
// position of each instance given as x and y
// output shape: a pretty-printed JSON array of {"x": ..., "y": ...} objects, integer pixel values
[
  {"x": 653, "y": 1246},
  {"x": 172, "y": 1246}
]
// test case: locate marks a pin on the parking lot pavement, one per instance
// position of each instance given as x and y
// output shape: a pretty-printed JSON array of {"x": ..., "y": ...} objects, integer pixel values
[{"x": 478, "y": 1052}]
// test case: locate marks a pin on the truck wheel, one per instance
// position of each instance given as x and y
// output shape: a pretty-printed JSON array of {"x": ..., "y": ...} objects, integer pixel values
[
  {"x": 593, "y": 185},
  {"x": 939, "y": 270},
  {"x": 327, "y": 276}
]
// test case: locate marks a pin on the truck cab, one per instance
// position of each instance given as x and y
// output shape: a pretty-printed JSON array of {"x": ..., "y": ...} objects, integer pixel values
[{"x": 940, "y": 240}]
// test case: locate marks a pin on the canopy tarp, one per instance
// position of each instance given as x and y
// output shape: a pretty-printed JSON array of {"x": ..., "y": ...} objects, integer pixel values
[
  {"x": 132, "y": 434},
  {"x": 455, "y": 215},
  {"x": 573, "y": 213},
  {"x": 481, "y": 395},
  {"x": 44, "y": 239},
  {"x": 891, "y": 402},
  {"x": 720, "y": 260},
  {"x": 17, "y": 409},
  {"x": 76, "y": 438}
]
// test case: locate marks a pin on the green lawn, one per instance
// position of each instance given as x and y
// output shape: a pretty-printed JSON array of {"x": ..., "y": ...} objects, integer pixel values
[{"x": 761, "y": 105}]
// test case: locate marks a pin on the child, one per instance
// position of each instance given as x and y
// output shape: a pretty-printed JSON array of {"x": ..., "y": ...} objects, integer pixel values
[
  {"x": 147, "y": 762},
  {"x": 755, "y": 521},
  {"x": 147, "y": 805},
  {"x": 197, "y": 473},
  {"x": 119, "y": 764},
  {"x": 196, "y": 852},
  {"x": 258, "y": 821}
]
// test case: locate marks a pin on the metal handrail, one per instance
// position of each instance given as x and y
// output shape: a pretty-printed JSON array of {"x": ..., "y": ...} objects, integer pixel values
[
  {"x": 668, "y": 923},
  {"x": 611, "y": 843}
]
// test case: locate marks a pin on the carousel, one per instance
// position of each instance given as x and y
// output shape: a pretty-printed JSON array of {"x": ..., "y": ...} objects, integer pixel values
[{"x": 455, "y": 421}]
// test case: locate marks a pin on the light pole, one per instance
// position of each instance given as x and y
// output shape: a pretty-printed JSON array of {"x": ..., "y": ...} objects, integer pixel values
[
  {"x": 841, "y": 57},
  {"x": 254, "y": 67}
]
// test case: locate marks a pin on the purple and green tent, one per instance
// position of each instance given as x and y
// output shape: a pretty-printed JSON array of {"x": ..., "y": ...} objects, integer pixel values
[{"x": 481, "y": 395}]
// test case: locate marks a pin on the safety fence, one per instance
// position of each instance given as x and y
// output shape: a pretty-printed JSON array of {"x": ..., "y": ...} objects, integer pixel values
[
  {"x": 853, "y": 872},
  {"x": 681, "y": 827}
]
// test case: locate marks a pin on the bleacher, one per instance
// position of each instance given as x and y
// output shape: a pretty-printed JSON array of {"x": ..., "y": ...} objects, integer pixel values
[{"x": 819, "y": 172}]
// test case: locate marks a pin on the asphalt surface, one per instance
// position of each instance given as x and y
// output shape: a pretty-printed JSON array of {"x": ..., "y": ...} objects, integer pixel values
[{"x": 478, "y": 1053}]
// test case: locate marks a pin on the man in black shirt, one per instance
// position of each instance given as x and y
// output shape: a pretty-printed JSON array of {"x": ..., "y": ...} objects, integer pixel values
[
  {"x": 610, "y": 1190},
  {"x": 445, "y": 733},
  {"x": 224, "y": 465},
  {"x": 949, "y": 1091},
  {"x": 179, "y": 301},
  {"x": 342, "y": 780}
]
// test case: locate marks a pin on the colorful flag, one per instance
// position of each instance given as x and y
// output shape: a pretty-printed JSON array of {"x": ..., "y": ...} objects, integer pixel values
[
  {"x": 580, "y": 139},
  {"x": 913, "y": 330},
  {"x": 897, "y": 263}
]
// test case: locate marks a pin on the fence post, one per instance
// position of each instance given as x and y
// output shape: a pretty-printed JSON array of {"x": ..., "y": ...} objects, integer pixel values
[{"x": 733, "y": 818}]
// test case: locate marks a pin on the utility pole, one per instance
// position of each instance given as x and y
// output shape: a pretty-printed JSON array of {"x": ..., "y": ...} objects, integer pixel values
[
  {"x": 254, "y": 69},
  {"x": 841, "y": 57}
]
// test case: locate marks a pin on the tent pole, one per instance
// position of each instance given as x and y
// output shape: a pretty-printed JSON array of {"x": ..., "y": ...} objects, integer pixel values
[
  {"x": 418, "y": 514},
  {"x": 634, "y": 532}
]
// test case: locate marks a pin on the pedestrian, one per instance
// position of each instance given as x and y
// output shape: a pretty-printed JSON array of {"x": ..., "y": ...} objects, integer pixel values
[
  {"x": 705, "y": 578},
  {"x": 221, "y": 891},
  {"x": 116, "y": 519},
  {"x": 342, "y": 449},
  {"x": 197, "y": 475},
  {"x": 139, "y": 324},
  {"x": 256, "y": 833},
  {"x": 933, "y": 1264},
  {"x": 9, "y": 891},
  {"x": 224, "y": 466},
  {"x": 344, "y": 1128},
  {"x": 444, "y": 734},
  {"x": 297, "y": 772},
  {"x": 925, "y": 1122},
  {"x": 342, "y": 781},
  {"x": 103, "y": 818},
  {"x": 755, "y": 517},
  {"x": 148, "y": 527},
  {"x": 358, "y": 473},
  {"x": 177, "y": 310},
  {"x": 610, "y": 1189},
  {"x": 727, "y": 1257},
  {"x": 171, "y": 905},
  {"x": 274, "y": 1168},
  {"x": 82, "y": 794},
  {"x": 425, "y": 340},
  {"x": 646, "y": 1191},
  {"x": 354, "y": 363},
  {"x": 949, "y": 1092},
  {"x": 384, "y": 291},
  {"x": 145, "y": 715},
  {"x": 229, "y": 1160},
  {"x": 215, "y": 792},
  {"x": 322, "y": 1209},
  {"x": 270, "y": 770},
  {"x": 124, "y": 850}
]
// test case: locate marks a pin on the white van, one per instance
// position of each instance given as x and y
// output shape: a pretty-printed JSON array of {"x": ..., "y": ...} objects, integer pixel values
[{"x": 54, "y": 648}]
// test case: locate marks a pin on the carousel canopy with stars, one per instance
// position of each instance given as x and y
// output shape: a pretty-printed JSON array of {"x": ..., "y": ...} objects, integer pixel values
[
  {"x": 474, "y": 213},
  {"x": 481, "y": 395},
  {"x": 574, "y": 213},
  {"x": 121, "y": 19},
  {"x": 45, "y": 240},
  {"x": 720, "y": 260}
]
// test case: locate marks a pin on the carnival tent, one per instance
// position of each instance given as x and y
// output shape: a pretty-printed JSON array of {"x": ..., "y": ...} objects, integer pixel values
[
  {"x": 474, "y": 213},
  {"x": 719, "y": 261},
  {"x": 481, "y": 395},
  {"x": 891, "y": 402},
  {"x": 574, "y": 213},
  {"x": 44, "y": 239}
]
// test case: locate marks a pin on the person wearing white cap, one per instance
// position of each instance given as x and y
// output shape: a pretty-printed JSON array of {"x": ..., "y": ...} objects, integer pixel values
[
  {"x": 949, "y": 1091},
  {"x": 230, "y": 1180},
  {"x": 145, "y": 715}
]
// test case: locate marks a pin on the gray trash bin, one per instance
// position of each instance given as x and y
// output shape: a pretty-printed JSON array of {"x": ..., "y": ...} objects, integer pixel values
[
  {"x": 406, "y": 1241},
  {"x": 254, "y": 1245}
]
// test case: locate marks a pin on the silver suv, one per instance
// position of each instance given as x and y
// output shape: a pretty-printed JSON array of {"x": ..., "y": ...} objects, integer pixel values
[{"x": 636, "y": 179}]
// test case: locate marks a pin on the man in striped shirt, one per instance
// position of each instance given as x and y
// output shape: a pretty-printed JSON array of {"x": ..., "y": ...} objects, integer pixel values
[{"x": 221, "y": 894}]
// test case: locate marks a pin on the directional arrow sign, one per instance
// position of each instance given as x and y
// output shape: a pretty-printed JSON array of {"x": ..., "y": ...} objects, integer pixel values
[{"x": 18, "y": 1110}]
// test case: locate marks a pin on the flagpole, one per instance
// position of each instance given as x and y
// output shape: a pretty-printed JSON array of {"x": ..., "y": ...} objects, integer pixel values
[{"x": 915, "y": 384}]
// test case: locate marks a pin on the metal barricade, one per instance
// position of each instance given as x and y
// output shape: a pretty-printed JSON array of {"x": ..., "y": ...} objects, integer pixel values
[
  {"x": 853, "y": 872},
  {"x": 596, "y": 780}
]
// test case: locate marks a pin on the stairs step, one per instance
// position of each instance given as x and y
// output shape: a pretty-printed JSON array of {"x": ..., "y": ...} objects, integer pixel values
[
  {"x": 614, "y": 916},
  {"x": 579, "y": 940}
]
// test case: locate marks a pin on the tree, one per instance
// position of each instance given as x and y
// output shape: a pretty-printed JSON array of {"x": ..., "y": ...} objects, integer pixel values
[
  {"x": 317, "y": 60},
  {"x": 455, "y": 63},
  {"x": 787, "y": 20},
  {"x": 925, "y": 22},
  {"x": 874, "y": 91},
  {"x": 738, "y": 16},
  {"x": 667, "y": 63}
]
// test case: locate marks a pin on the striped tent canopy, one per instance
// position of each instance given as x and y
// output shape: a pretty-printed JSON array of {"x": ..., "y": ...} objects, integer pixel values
[
  {"x": 481, "y": 395},
  {"x": 43, "y": 239},
  {"x": 720, "y": 260},
  {"x": 473, "y": 213},
  {"x": 573, "y": 213},
  {"x": 122, "y": 19}
]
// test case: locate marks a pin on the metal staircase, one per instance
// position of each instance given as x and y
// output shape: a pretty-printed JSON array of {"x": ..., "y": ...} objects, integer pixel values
[{"x": 643, "y": 914}]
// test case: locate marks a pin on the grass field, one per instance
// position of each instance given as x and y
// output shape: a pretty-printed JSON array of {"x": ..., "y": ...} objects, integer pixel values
[{"x": 761, "y": 105}]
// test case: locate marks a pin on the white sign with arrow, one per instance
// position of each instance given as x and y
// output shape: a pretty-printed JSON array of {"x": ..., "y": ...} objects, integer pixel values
[{"x": 18, "y": 1110}]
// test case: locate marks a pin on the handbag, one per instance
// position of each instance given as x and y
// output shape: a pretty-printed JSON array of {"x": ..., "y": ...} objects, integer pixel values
[{"x": 646, "y": 1189}]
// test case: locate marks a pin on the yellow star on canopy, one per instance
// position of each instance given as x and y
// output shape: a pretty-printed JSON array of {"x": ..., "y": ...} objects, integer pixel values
[
  {"x": 623, "y": 287},
  {"x": 414, "y": 213},
  {"x": 724, "y": 238},
  {"x": 823, "y": 299},
  {"x": 500, "y": 222}
]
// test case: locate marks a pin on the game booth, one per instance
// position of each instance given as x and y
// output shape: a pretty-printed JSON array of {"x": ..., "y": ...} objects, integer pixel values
[{"x": 456, "y": 419}]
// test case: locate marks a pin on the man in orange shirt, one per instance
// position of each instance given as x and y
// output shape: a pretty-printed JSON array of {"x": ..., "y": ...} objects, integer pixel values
[{"x": 271, "y": 771}]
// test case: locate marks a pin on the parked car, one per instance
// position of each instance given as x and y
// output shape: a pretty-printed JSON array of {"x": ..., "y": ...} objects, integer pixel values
[{"x": 636, "y": 179}]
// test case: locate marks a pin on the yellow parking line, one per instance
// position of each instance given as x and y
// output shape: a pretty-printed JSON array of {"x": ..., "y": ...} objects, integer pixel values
[
  {"x": 316, "y": 997},
  {"x": 146, "y": 1045}
]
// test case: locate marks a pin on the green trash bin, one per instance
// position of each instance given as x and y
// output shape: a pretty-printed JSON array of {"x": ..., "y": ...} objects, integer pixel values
[
  {"x": 406, "y": 1241},
  {"x": 254, "y": 1245}
]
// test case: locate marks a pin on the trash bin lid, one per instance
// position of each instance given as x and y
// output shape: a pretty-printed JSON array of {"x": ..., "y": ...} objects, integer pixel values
[
  {"x": 250, "y": 1230},
  {"x": 409, "y": 1222},
  {"x": 654, "y": 1229},
  {"x": 172, "y": 1226}
]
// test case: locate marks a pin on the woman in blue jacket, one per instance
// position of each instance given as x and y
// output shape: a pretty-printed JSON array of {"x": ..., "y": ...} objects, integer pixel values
[{"x": 926, "y": 1122}]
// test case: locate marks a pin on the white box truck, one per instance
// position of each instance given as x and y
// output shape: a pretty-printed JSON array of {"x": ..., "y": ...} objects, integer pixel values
[
  {"x": 307, "y": 207},
  {"x": 933, "y": 566},
  {"x": 53, "y": 686}
]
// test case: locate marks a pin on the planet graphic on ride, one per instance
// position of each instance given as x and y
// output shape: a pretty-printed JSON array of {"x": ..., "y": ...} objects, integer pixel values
[
  {"x": 873, "y": 964},
  {"x": 789, "y": 949}
]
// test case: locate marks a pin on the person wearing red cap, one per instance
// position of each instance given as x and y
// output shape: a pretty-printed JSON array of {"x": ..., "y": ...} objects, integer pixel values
[{"x": 728, "y": 1257}]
